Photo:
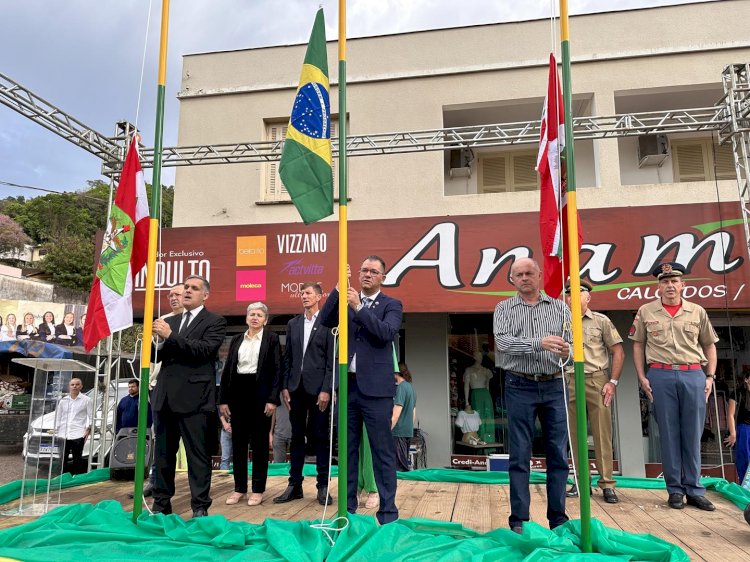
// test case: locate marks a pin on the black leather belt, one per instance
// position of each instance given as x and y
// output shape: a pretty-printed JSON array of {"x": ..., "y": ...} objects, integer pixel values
[{"x": 536, "y": 378}]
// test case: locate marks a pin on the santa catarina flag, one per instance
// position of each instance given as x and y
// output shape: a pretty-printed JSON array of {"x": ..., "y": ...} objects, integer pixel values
[
  {"x": 305, "y": 167},
  {"x": 553, "y": 202},
  {"x": 123, "y": 255}
]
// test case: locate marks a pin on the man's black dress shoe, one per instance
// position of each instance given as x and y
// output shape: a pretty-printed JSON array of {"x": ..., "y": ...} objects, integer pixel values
[
  {"x": 324, "y": 498},
  {"x": 675, "y": 501},
  {"x": 610, "y": 496},
  {"x": 200, "y": 512},
  {"x": 291, "y": 493},
  {"x": 701, "y": 502},
  {"x": 165, "y": 510}
]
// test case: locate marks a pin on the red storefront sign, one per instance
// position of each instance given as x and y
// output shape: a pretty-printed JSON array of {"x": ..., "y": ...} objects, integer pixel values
[
  {"x": 461, "y": 263},
  {"x": 469, "y": 462}
]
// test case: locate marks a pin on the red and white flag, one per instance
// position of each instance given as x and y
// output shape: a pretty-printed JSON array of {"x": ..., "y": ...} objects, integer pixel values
[
  {"x": 553, "y": 204},
  {"x": 123, "y": 255}
]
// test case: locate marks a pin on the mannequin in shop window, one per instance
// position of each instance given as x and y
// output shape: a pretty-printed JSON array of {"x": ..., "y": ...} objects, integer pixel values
[
  {"x": 468, "y": 421},
  {"x": 477, "y": 395}
]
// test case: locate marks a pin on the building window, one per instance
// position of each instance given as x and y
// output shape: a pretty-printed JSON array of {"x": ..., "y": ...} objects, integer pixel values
[
  {"x": 501, "y": 172},
  {"x": 698, "y": 159},
  {"x": 274, "y": 187}
]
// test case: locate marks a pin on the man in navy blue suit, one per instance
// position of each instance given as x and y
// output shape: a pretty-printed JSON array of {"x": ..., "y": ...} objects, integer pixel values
[
  {"x": 306, "y": 391},
  {"x": 374, "y": 321}
]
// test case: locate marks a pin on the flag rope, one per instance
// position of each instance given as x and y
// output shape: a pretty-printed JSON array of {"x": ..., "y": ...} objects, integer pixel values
[{"x": 143, "y": 64}]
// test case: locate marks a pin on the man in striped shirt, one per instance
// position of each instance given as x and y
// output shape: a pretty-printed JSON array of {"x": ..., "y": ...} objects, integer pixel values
[{"x": 532, "y": 335}]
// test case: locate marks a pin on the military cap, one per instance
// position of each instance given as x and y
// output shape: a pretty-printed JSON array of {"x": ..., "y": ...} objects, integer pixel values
[{"x": 668, "y": 269}]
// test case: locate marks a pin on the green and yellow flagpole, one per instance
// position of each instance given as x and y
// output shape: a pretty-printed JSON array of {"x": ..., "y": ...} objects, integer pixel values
[
  {"x": 153, "y": 236},
  {"x": 584, "y": 481},
  {"x": 343, "y": 261}
]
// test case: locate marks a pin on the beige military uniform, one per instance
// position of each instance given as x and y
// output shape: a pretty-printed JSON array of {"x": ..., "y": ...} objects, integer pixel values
[
  {"x": 599, "y": 334},
  {"x": 678, "y": 388},
  {"x": 673, "y": 341}
]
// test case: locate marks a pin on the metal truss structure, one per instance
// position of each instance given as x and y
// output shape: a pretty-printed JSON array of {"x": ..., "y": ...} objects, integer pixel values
[
  {"x": 54, "y": 119},
  {"x": 736, "y": 130},
  {"x": 112, "y": 153},
  {"x": 479, "y": 136}
]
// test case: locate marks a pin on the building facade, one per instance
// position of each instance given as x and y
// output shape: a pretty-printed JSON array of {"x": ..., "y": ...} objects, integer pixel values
[{"x": 449, "y": 223}]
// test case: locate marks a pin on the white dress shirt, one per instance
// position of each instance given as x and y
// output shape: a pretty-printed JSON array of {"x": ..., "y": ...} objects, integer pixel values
[
  {"x": 73, "y": 416},
  {"x": 247, "y": 356},
  {"x": 193, "y": 313},
  {"x": 308, "y": 326}
]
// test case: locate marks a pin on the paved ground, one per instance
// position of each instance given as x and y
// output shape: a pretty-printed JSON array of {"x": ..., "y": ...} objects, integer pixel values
[{"x": 11, "y": 463}]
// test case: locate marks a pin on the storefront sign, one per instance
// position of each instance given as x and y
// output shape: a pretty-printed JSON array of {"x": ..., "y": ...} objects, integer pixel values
[
  {"x": 462, "y": 263},
  {"x": 469, "y": 462}
]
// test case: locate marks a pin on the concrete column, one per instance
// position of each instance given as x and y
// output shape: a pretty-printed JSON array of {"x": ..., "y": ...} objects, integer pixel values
[
  {"x": 427, "y": 357},
  {"x": 606, "y": 154},
  {"x": 632, "y": 462}
]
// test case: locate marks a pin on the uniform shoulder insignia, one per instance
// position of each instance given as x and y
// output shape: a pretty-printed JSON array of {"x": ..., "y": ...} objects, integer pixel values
[{"x": 632, "y": 330}]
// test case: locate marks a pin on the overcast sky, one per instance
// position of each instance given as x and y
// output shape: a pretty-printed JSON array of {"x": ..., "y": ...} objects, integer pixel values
[{"x": 85, "y": 56}]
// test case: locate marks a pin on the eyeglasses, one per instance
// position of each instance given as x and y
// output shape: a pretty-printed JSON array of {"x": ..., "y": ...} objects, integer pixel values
[{"x": 373, "y": 272}]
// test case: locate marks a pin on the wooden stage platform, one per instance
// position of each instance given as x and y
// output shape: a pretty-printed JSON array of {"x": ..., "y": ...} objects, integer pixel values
[{"x": 721, "y": 536}]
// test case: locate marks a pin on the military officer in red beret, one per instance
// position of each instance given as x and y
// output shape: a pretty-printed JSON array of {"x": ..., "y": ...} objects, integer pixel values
[{"x": 675, "y": 339}]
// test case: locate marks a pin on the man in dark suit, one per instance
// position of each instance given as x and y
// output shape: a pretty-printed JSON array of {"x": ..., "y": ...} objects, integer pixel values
[
  {"x": 306, "y": 391},
  {"x": 374, "y": 320},
  {"x": 185, "y": 396}
]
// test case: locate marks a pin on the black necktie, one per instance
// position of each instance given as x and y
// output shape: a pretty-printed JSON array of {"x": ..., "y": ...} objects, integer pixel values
[{"x": 185, "y": 322}]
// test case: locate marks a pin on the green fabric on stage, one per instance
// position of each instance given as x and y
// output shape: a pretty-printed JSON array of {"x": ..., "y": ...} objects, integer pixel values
[
  {"x": 481, "y": 401},
  {"x": 12, "y": 490},
  {"x": 106, "y": 532}
]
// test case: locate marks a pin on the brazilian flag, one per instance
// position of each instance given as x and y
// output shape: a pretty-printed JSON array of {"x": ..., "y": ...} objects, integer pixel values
[{"x": 306, "y": 159}]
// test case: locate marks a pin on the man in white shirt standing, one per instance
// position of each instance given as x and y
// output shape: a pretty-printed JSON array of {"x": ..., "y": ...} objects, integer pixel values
[{"x": 73, "y": 424}]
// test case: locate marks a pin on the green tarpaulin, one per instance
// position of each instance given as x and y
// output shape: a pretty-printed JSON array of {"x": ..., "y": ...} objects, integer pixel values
[
  {"x": 12, "y": 490},
  {"x": 106, "y": 532}
]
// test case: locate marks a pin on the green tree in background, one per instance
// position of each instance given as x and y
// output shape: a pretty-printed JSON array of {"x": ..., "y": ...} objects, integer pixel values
[
  {"x": 66, "y": 225},
  {"x": 69, "y": 261}
]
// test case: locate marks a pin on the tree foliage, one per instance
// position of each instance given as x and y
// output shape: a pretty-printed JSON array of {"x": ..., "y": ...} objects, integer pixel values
[
  {"x": 12, "y": 237},
  {"x": 54, "y": 216},
  {"x": 66, "y": 225},
  {"x": 69, "y": 262}
]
